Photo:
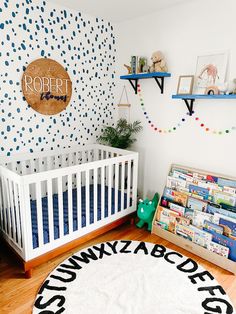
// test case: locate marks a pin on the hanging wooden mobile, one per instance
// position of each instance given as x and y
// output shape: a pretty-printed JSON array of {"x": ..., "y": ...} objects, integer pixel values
[{"x": 124, "y": 108}]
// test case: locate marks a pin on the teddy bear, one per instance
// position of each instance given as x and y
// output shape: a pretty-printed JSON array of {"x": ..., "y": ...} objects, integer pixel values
[{"x": 158, "y": 62}]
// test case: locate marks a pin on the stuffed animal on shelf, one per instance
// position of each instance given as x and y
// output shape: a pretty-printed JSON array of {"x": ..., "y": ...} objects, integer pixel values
[
  {"x": 146, "y": 211},
  {"x": 158, "y": 62}
]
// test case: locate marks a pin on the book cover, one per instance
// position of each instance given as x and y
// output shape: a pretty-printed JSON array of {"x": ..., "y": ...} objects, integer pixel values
[
  {"x": 184, "y": 221},
  {"x": 184, "y": 231},
  {"x": 167, "y": 216},
  {"x": 228, "y": 207},
  {"x": 225, "y": 241},
  {"x": 176, "y": 196},
  {"x": 229, "y": 190},
  {"x": 183, "y": 176},
  {"x": 200, "y": 217},
  {"x": 177, "y": 208},
  {"x": 199, "y": 191},
  {"x": 229, "y": 227},
  {"x": 226, "y": 182},
  {"x": 211, "y": 226},
  {"x": 197, "y": 204},
  {"x": 133, "y": 64},
  {"x": 199, "y": 176},
  {"x": 224, "y": 198},
  {"x": 201, "y": 237},
  {"x": 189, "y": 213},
  {"x": 218, "y": 210},
  {"x": 173, "y": 183},
  {"x": 210, "y": 186},
  {"x": 218, "y": 249},
  {"x": 161, "y": 224},
  {"x": 211, "y": 178}
]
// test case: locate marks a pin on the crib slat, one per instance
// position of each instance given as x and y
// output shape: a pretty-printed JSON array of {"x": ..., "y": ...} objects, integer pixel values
[
  {"x": 128, "y": 183},
  {"x": 50, "y": 211},
  {"x": 12, "y": 209},
  {"x": 9, "y": 224},
  {"x": 60, "y": 207},
  {"x": 102, "y": 192},
  {"x": 116, "y": 186},
  {"x": 78, "y": 184},
  {"x": 87, "y": 197},
  {"x": 17, "y": 209},
  {"x": 95, "y": 199},
  {"x": 70, "y": 205},
  {"x": 122, "y": 184},
  {"x": 109, "y": 189},
  {"x": 39, "y": 213},
  {"x": 1, "y": 206},
  {"x": 4, "y": 204}
]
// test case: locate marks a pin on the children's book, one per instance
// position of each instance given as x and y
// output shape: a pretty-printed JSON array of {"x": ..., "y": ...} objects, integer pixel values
[
  {"x": 176, "y": 196},
  {"x": 210, "y": 186},
  {"x": 224, "y": 198},
  {"x": 229, "y": 227},
  {"x": 211, "y": 178},
  {"x": 161, "y": 224},
  {"x": 226, "y": 182},
  {"x": 199, "y": 191},
  {"x": 177, "y": 208},
  {"x": 189, "y": 213},
  {"x": 211, "y": 226},
  {"x": 225, "y": 241},
  {"x": 167, "y": 216},
  {"x": 184, "y": 231},
  {"x": 211, "y": 209},
  {"x": 199, "y": 176},
  {"x": 183, "y": 221},
  {"x": 200, "y": 217},
  {"x": 229, "y": 190},
  {"x": 183, "y": 176},
  {"x": 228, "y": 207},
  {"x": 173, "y": 183},
  {"x": 218, "y": 249},
  {"x": 201, "y": 237},
  {"x": 197, "y": 204}
]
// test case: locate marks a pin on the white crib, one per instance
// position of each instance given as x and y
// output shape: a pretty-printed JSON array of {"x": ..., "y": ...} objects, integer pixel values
[{"x": 49, "y": 201}]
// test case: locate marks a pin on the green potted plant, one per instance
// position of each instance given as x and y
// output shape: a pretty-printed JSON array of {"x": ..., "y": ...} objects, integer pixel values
[{"x": 120, "y": 136}]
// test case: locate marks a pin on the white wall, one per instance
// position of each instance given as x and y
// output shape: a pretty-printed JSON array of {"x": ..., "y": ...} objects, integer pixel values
[{"x": 182, "y": 32}]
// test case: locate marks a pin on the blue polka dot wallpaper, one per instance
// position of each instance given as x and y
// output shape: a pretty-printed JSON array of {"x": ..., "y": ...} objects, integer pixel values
[{"x": 85, "y": 46}]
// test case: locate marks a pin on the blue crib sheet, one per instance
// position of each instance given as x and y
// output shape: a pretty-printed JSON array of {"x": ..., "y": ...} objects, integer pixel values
[{"x": 82, "y": 219}]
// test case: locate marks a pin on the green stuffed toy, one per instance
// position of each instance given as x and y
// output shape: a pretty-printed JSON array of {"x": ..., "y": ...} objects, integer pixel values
[{"x": 146, "y": 211}]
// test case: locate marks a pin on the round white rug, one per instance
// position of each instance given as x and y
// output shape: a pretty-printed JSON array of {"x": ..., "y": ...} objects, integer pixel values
[{"x": 130, "y": 277}]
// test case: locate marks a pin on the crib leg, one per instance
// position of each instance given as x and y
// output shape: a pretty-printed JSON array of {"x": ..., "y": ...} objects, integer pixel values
[{"x": 28, "y": 273}]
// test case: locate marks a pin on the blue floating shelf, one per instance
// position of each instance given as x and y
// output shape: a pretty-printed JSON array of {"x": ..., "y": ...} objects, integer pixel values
[
  {"x": 233, "y": 96},
  {"x": 158, "y": 76},
  {"x": 189, "y": 99},
  {"x": 144, "y": 75}
]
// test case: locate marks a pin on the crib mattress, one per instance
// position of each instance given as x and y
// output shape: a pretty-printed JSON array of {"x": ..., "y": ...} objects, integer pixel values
[{"x": 78, "y": 222}]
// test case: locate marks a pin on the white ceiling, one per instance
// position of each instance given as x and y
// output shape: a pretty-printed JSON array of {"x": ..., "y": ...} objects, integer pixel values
[{"x": 117, "y": 10}]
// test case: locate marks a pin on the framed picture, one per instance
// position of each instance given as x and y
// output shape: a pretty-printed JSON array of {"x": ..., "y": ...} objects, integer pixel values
[
  {"x": 210, "y": 71},
  {"x": 185, "y": 85}
]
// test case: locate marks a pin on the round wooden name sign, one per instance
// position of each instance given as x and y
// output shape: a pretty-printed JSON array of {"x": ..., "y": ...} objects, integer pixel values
[{"x": 46, "y": 86}]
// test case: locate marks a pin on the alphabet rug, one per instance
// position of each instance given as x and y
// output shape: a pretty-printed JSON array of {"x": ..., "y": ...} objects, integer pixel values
[{"x": 131, "y": 277}]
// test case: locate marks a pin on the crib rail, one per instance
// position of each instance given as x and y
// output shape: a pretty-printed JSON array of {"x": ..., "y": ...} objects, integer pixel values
[{"x": 67, "y": 197}]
